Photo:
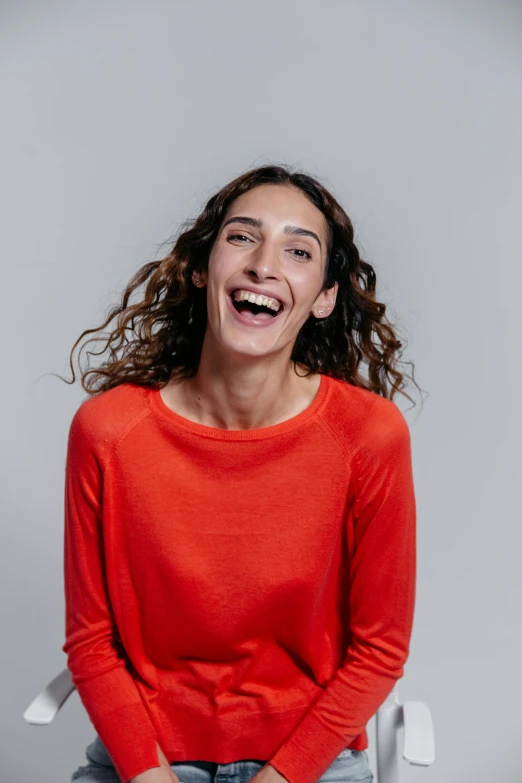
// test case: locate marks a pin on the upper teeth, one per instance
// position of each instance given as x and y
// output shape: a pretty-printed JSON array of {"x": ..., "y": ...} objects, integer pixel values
[{"x": 248, "y": 296}]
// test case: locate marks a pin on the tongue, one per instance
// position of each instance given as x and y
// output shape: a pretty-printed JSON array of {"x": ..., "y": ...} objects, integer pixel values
[{"x": 245, "y": 310}]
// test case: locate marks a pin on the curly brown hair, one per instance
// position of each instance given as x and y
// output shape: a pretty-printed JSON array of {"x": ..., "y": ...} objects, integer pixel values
[{"x": 168, "y": 325}]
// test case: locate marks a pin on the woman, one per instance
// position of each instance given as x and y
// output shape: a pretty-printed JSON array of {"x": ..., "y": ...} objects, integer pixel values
[{"x": 239, "y": 548}]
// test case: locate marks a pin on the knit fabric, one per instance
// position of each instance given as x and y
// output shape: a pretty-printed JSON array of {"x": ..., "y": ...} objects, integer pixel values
[{"x": 235, "y": 594}]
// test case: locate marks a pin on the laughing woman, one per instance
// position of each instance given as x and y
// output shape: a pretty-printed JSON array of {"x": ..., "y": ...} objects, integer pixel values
[{"x": 240, "y": 520}]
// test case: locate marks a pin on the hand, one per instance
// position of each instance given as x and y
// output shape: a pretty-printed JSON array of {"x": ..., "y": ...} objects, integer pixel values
[{"x": 268, "y": 774}]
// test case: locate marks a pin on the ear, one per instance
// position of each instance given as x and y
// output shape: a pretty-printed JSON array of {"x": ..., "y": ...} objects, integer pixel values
[
  {"x": 326, "y": 301},
  {"x": 199, "y": 278}
]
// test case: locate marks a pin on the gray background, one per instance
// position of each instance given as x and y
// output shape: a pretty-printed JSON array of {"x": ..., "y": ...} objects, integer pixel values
[{"x": 119, "y": 119}]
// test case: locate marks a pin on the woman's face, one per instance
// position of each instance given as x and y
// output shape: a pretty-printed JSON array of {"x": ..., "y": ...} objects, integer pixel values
[{"x": 252, "y": 250}]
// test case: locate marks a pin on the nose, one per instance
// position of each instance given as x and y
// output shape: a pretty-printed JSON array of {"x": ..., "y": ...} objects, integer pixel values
[{"x": 263, "y": 262}]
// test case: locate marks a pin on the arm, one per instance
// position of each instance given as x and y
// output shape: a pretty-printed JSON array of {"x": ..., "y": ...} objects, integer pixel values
[
  {"x": 96, "y": 657},
  {"x": 381, "y": 601}
]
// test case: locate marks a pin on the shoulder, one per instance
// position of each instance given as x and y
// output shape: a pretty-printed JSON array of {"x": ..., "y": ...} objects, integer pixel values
[
  {"x": 363, "y": 420},
  {"x": 103, "y": 418}
]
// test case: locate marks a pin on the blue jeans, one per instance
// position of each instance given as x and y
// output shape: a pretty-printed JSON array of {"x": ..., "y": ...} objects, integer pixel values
[{"x": 350, "y": 766}]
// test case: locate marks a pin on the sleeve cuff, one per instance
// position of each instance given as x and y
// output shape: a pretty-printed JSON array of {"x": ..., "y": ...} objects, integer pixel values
[
  {"x": 294, "y": 759},
  {"x": 130, "y": 742}
]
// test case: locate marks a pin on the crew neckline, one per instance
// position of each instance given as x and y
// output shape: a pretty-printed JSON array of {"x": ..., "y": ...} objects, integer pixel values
[{"x": 161, "y": 409}]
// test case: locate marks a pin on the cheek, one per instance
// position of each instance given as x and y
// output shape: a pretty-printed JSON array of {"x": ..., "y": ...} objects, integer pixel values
[
  {"x": 304, "y": 294},
  {"x": 223, "y": 266}
]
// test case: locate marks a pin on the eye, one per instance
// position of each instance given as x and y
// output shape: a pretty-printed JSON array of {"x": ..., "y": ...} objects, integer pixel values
[
  {"x": 237, "y": 236},
  {"x": 308, "y": 255},
  {"x": 297, "y": 249}
]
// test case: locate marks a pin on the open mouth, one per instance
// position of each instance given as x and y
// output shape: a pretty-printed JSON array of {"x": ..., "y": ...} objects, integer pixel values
[{"x": 254, "y": 311}]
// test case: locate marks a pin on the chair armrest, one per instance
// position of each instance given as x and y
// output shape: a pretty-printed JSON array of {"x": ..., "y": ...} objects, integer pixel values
[
  {"x": 45, "y": 707},
  {"x": 419, "y": 738}
]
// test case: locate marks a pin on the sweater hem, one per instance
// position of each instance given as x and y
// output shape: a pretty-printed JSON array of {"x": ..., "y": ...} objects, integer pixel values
[{"x": 186, "y": 735}]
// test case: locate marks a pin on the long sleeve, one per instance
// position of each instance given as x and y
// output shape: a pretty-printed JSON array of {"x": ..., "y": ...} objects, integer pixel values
[
  {"x": 96, "y": 657},
  {"x": 381, "y": 601}
]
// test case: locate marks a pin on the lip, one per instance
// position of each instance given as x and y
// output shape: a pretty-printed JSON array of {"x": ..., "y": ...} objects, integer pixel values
[{"x": 248, "y": 321}]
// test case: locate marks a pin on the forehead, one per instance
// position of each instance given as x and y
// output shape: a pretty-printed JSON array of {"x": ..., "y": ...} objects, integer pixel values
[{"x": 276, "y": 205}]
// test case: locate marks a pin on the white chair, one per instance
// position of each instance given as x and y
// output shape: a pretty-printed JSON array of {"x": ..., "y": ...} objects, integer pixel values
[{"x": 413, "y": 716}]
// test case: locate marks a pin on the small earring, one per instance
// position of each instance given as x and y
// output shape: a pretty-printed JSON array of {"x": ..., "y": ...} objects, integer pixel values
[{"x": 320, "y": 312}]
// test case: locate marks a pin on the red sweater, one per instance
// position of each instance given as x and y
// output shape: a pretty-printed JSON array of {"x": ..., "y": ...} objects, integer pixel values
[{"x": 237, "y": 594}]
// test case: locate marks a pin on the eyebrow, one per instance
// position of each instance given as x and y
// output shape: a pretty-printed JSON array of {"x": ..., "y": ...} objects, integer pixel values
[{"x": 257, "y": 223}]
